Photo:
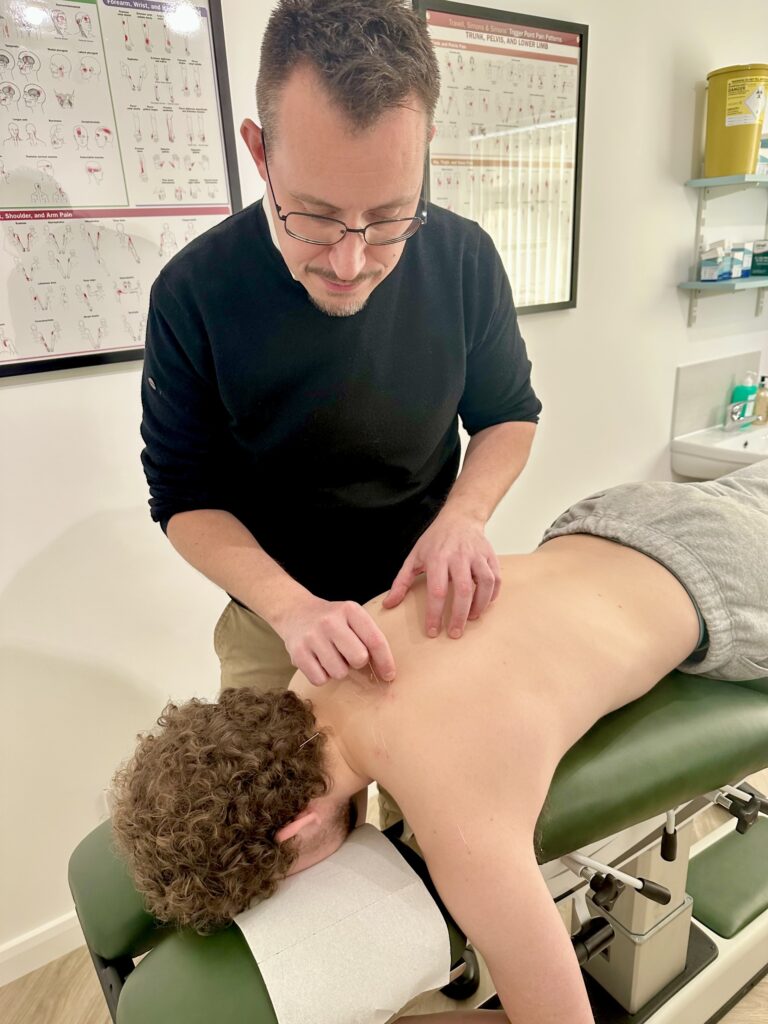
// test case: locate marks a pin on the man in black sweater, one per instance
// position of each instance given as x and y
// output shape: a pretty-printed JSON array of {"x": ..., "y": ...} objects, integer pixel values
[{"x": 308, "y": 361}]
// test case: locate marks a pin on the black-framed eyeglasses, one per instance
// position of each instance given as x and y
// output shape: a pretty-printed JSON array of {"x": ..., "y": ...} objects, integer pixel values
[{"x": 311, "y": 227}]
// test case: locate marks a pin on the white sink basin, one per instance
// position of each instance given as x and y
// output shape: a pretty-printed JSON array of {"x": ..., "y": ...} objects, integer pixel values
[{"x": 706, "y": 454}]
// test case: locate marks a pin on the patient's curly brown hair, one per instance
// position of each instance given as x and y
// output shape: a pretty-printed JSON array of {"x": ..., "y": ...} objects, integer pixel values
[{"x": 197, "y": 807}]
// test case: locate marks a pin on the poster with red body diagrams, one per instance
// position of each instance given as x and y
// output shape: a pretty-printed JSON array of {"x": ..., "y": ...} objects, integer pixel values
[
  {"x": 111, "y": 159},
  {"x": 505, "y": 148}
]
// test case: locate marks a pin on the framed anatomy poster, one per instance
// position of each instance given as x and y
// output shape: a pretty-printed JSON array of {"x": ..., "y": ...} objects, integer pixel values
[
  {"x": 507, "y": 151},
  {"x": 116, "y": 149}
]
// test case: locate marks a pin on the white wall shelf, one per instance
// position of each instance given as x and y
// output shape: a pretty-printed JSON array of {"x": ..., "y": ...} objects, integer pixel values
[
  {"x": 711, "y": 188},
  {"x": 737, "y": 284},
  {"x": 733, "y": 180}
]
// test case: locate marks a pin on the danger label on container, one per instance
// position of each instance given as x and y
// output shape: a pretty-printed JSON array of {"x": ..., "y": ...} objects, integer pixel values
[{"x": 745, "y": 101}]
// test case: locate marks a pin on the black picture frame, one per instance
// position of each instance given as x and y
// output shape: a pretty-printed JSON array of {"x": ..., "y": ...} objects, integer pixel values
[
  {"x": 535, "y": 22},
  {"x": 221, "y": 78}
]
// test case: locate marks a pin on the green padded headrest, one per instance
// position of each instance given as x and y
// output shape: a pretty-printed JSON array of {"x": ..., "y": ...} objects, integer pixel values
[
  {"x": 686, "y": 736},
  {"x": 194, "y": 979},
  {"x": 188, "y": 979},
  {"x": 116, "y": 924},
  {"x": 111, "y": 912}
]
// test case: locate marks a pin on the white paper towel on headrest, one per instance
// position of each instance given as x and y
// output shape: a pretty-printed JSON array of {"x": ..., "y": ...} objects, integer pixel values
[{"x": 350, "y": 940}]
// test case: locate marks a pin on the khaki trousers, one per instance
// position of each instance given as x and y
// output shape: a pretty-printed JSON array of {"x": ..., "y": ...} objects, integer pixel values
[
  {"x": 252, "y": 654},
  {"x": 250, "y": 651}
]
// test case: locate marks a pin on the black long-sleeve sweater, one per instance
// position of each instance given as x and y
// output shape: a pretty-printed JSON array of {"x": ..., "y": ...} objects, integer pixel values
[{"x": 333, "y": 439}]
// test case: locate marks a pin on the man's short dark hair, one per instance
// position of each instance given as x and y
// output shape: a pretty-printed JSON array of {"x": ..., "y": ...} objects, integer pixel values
[{"x": 371, "y": 56}]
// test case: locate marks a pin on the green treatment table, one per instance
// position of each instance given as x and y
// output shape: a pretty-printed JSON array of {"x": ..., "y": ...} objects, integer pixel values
[{"x": 665, "y": 932}]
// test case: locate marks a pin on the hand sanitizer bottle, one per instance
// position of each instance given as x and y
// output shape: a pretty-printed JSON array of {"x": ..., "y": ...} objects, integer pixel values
[{"x": 761, "y": 401}]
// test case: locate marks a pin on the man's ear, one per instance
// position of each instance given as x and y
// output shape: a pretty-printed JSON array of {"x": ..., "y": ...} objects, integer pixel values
[
  {"x": 293, "y": 828},
  {"x": 251, "y": 136},
  {"x": 432, "y": 131}
]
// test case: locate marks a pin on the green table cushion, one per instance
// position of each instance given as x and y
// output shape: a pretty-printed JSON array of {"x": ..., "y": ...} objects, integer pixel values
[
  {"x": 188, "y": 979},
  {"x": 686, "y": 736},
  {"x": 111, "y": 912},
  {"x": 191, "y": 979},
  {"x": 729, "y": 880}
]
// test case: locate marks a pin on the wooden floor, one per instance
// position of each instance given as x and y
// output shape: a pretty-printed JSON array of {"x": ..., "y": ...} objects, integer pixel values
[{"x": 67, "y": 992}]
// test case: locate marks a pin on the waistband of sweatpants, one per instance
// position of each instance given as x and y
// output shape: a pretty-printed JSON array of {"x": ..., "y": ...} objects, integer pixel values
[{"x": 679, "y": 559}]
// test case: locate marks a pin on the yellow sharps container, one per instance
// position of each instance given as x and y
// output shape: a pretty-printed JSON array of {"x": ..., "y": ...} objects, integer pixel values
[{"x": 736, "y": 105}]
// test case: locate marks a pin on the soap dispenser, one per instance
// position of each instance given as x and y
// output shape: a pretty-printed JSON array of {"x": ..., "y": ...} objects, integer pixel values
[{"x": 745, "y": 392}]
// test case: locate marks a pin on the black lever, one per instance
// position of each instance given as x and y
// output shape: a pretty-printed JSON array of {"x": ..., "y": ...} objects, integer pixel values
[
  {"x": 746, "y": 814},
  {"x": 746, "y": 788},
  {"x": 669, "y": 845},
  {"x": 607, "y": 890},
  {"x": 592, "y": 939},
  {"x": 654, "y": 892}
]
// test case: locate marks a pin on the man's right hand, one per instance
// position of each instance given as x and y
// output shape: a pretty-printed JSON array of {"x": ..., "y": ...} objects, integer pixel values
[{"x": 325, "y": 639}]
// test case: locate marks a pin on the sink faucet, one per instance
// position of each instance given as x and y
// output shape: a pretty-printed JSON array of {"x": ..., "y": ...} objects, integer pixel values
[{"x": 735, "y": 418}]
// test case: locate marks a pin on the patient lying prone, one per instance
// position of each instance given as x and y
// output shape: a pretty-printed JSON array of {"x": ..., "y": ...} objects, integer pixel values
[{"x": 227, "y": 798}]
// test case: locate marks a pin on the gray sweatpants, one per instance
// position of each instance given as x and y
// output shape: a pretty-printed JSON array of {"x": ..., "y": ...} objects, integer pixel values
[{"x": 713, "y": 536}]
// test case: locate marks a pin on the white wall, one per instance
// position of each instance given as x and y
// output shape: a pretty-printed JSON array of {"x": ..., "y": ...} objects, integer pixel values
[{"x": 100, "y": 621}]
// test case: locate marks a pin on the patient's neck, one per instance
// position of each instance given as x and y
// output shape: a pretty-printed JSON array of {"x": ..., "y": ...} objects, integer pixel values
[{"x": 340, "y": 764}]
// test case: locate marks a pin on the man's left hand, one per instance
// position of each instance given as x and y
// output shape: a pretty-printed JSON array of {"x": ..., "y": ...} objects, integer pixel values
[{"x": 453, "y": 552}]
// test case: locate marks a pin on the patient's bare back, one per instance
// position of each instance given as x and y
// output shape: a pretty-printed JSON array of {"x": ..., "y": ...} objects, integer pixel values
[
  {"x": 581, "y": 627},
  {"x": 468, "y": 736}
]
